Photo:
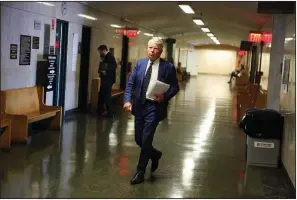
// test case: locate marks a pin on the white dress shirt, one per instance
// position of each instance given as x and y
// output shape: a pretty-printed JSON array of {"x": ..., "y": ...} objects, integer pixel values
[{"x": 154, "y": 76}]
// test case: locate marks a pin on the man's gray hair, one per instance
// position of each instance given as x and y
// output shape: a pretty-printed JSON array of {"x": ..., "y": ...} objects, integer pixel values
[{"x": 157, "y": 41}]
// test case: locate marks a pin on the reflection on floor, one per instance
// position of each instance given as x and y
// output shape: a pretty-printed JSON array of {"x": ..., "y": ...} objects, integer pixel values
[{"x": 203, "y": 155}]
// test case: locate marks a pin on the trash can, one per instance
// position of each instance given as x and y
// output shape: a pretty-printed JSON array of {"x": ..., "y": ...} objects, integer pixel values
[{"x": 264, "y": 129}]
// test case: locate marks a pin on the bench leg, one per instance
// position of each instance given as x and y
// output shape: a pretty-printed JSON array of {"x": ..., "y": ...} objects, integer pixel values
[
  {"x": 19, "y": 129},
  {"x": 5, "y": 139},
  {"x": 56, "y": 121}
]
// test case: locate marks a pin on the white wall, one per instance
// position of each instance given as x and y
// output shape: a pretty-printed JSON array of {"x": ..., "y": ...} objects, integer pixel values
[
  {"x": 212, "y": 61},
  {"x": 18, "y": 18}
]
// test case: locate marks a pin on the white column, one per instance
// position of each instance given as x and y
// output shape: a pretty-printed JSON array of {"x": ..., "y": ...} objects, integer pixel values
[{"x": 276, "y": 60}]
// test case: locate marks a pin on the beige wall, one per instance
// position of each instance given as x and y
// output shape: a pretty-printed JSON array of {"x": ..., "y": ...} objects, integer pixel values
[
  {"x": 214, "y": 59},
  {"x": 288, "y": 105},
  {"x": 18, "y": 18}
]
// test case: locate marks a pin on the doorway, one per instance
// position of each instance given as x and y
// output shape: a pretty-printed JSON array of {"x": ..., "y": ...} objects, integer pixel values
[
  {"x": 61, "y": 53},
  {"x": 84, "y": 69}
]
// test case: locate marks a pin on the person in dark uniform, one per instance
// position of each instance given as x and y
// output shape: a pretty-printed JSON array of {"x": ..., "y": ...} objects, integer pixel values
[{"x": 107, "y": 73}]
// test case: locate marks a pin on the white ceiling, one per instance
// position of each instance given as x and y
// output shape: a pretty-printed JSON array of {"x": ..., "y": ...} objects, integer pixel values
[{"x": 230, "y": 22}]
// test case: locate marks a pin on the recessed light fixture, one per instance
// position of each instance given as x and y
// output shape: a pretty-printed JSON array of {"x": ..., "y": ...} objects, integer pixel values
[
  {"x": 115, "y": 26},
  {"x": 148, "y": 34},
  {"x": 46, "y": 3},
  {"x": 186, "y": 8},
  {"x": 213, "y": 38},
  {"x": 198, "y": 21},
  {"x": 87, "y": 16},
  {"x": 205, "y": 30},
  {"x": 210, "y": 34}
]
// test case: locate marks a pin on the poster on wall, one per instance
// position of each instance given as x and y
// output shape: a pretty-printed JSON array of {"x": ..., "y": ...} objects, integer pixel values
[
  {"x": 51, "y": 72},
  {"x": 74, "y": 51},
  {"x": 13, "y": 51},
  {"x": 46, "y": 44},
  {"x": 286, "y": 74},
  {"x": 25, "y": 50},
  {"x": 35, "y": 43}
]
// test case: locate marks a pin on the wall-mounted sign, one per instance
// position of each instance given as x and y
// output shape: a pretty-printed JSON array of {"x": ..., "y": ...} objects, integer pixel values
[
  {"x": 267, "y": 37},
  {"x": 13, "y": 51},
  {"x": 51, "y": 72},
  {"x": 52, "y": 50},
  {"x": 46, "y": 43},
  {"x": 35, "y": 42},
  {"x": 25, "y": 50},
  {"x": 259, "y": 37},
  {"x": 129, "y": 32},
  {"x": 53, "y": 24},
  {"x": 37, "y": 25}
]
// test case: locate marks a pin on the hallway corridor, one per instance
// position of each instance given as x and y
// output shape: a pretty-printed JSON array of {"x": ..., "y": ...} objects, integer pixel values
[{"x": 203, "y": 155}]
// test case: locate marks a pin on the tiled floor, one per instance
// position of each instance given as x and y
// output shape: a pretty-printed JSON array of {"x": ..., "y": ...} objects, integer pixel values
[{"x": 203, "y": 155}]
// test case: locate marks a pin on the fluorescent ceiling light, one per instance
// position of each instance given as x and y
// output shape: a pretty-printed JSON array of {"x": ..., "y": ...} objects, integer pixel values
[
  {"x": 210, "y": 34},
  {"x": 213, "y": 38},
  {"x": 46, "y": 3},
  {"x": 87, "y": 16},
  {"x": 115, "y": 26},
  {"x": 288, "y": 39},
  {"x": 217, "y": 42},
  {"x": 206, "y": 30},
  {"x": 148, "y": 34},
  {"x": 138, "y": 32},
  {"x": 187, "y": 9},
  {"x": 199, "y": 22}
]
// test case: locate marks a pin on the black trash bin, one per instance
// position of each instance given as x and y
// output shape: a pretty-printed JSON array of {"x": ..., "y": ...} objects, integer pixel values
[{"x": 264, "y": 128}]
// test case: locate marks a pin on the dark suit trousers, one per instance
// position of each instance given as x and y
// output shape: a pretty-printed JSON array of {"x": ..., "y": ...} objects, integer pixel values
[
  {"x": 104, "y": 97},
  {"x": 145, "y": 126}
]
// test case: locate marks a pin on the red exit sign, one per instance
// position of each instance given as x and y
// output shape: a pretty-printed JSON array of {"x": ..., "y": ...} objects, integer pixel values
[
  {"x": 131, "y": 33},
  {"x": 241, "y": 53},
  {"x": 258, "y": 37}
]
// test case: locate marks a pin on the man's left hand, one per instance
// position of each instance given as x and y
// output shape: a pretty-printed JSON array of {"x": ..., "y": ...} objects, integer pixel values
[{"x": 159, "y": 98}]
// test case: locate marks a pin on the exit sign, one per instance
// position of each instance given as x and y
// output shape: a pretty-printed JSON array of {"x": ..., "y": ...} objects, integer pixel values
[
  {"x": 259, "y": 37},
  {"x": 129, "y": 32}
]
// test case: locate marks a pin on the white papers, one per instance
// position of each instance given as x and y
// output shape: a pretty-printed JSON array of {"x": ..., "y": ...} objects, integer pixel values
[{"x": 157, "y": 88}]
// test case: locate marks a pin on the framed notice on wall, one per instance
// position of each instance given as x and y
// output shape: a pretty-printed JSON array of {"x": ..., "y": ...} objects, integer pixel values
[
  {"x": 13, "y": 51},
  {"x": 286, "y": 74},
  {"x": 25, "y": 50},
  {"x": 35, "y": 42}
]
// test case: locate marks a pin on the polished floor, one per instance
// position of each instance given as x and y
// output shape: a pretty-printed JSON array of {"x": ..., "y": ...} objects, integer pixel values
[{"x": 203, "y": 155}]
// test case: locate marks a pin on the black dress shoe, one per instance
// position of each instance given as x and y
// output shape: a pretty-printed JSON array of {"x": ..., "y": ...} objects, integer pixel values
[
  {"x": 138, "y": 178},
  {"x": 155, "y": 163}
]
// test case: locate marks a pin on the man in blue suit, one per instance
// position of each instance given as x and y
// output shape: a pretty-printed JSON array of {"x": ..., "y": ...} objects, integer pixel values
[{"x": 149, "y": 110}]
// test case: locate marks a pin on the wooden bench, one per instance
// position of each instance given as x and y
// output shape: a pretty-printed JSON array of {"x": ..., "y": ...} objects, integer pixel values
[
  {"x": 242, "y": 80},
  {"x": 261, "y": 100},
  {"x": 5, "y": 134},
  {"x": 26, "y": 105},
  {"x": 246, "y": 99}
]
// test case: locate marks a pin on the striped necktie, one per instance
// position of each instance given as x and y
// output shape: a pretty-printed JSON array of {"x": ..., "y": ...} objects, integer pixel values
[{"x": 146, "y": 82}]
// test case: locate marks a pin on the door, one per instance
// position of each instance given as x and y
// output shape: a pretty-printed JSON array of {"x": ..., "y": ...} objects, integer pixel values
[
  {"x": 84, "y": 69},
  {"x": 61, "y": 52},
  {"x": 192, "y": 66}
]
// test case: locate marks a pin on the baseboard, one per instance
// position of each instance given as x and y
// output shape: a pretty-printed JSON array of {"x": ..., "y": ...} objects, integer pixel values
[
  {"x": 71, "y": 112},
  {"x": 204, "y": 73}
]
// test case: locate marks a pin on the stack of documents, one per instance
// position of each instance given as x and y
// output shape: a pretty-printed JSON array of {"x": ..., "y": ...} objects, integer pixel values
[{"x": 158, "y": 88}]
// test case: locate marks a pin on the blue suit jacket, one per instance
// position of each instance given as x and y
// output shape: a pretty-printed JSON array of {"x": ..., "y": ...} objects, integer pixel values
[{"x": 166, "y": 74}]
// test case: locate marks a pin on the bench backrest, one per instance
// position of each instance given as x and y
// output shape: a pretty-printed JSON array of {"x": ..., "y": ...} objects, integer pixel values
[{"x": 21, "y": 101}]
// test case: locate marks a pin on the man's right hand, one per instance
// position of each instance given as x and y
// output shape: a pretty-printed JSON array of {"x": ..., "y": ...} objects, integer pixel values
[{"x": 128, "y": 106}]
